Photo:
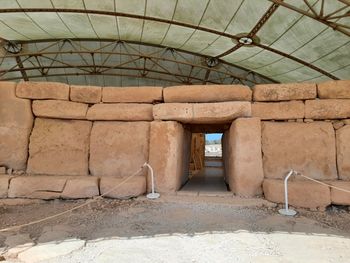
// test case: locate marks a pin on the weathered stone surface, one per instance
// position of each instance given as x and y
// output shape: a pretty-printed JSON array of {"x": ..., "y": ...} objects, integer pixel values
[
  {"x": 59, "y": 147},
  {"x": 42, "y": 90},
  {"x": 2, "y": 170},
  {"x": 38, "y": 186},
  {"x": 82, "y": 187},
  {"x": 59, "y": 109},
  {"x": 16, "y": 121},
  {"x": 334, "y": 89},
  {"x": 327, "y": 109},
  {"x": 244, "y": 170},
  {"x": 207, "y": 93},
  {"x": 121, "y": 112},
  {"x": 131, "y": 188},
  {"x": 4, "y": 185},
  {"x": 339, "y": 197},
  {"x": 278, "y": 110},
  {"x": 287, "y": 91},
  {"x": 305, "y": 194},
  {"x": 166, "y": 155},
  {"x": 86, "y": 94},
  {"x": 132, "y": 94},
  {"x": 308, "y": 148},
  {"x": 222, "y": 112},
  {"x": 343, "y": 152},
  {"x": 118, "y": 148}
]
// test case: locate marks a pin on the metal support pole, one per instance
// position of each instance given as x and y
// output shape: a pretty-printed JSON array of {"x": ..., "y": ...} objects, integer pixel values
[
  {"x": 286, "y": 211},
  {"x": 153, "y": 194}
]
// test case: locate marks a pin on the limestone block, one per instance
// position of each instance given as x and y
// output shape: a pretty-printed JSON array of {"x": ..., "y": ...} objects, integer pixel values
[
  {"x": 305, "y": 194},
  {"x": 166, "y": 155},
  {"x": 42, "y": 90},
  {"x": 132, "y": 94},
  {"x": 278, "y": 110},
  {"x": 131, "y": 188},
  {"x": 207, "y": 93},
  {"x": 16, "y": 121},
  {"x": 308, "y": 148},
  {"x": 334, "y": 89},
  {"x": 86, "y": 94},
  {"x": 118, "y": 148},
  {"x": 204, "y": 113},
  {"x": 38, "y": 186},
  {"x": 2, "y": 170},
  {"x": 339, "y": 197},
  {"x": 243, "y": 159},
  {"x": 59, "y": 109},
  {"x": 121, "y": 112},
  {"x": 82, "y": 187},
  {"x": 4, "y": 185},
  {"x": 327, "y": 109},
  {"x": 59, "y": 147},
  {"x": 287, "y": 91},
  {"x": 343, "y": 152}
]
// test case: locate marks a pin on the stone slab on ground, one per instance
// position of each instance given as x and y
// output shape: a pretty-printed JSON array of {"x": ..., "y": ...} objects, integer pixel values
[
  {"x": 121, "y": 112},
  {"x": 42, "y": 90},
  {"x": 305, "y": 194},
  {"x": 343, "y": 152},
  {"x": 118, "y": 148},
  {"x": 207, "y": 93},
  {"x": 278, "y": 110},
  {"x": 46, "y": 251},
  {"x": 339, "y": 197},
  {"x": 166, "y": 155},
  {"x": 82, "y": 187},
  {"x": 133, "y": 187},
  {"x": 207, "y": 113},
  {"x": 132, "y": 94},
  {"x": 308, "y": 148},
  {"x": 16, "y": 244},
  {"x": 4, "y": 185},
  {"x": 59, "y": 147},
  {"x": 85, "y": 94},
  {"x": 286, "y": 91},
  {"x": 327, "y": 109},
  {"x": 334, "y": 89},
  {"x": 59, "y": 109},
  {"x": 16, "y": 121}
]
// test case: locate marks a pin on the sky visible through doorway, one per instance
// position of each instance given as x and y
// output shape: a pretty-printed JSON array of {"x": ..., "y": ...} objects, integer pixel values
[{"x": 213, "y": 136}]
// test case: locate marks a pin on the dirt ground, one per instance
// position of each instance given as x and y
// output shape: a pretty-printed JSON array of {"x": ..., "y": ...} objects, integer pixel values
[{"x": 137, "y": 230}]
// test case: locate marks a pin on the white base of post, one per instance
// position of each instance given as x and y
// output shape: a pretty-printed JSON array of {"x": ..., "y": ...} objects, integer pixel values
[
  {"x": 289, "y": 212},
  {"x": 153, "y": 195}
]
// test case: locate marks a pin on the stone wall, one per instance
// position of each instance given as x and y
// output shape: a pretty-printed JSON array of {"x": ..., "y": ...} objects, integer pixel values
[{"x": 61, "y": 141}]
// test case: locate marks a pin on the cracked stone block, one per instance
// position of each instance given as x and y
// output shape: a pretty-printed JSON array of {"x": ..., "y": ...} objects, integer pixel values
[
  {"x": 82, "y": 187},
  {"x": 86, "y": 94},
  {"x": 59, "y": 109},
  {"x": 132, "y": 94},
  {"x": 42, "y": 90},
  {"x": 133, "y": 187}
]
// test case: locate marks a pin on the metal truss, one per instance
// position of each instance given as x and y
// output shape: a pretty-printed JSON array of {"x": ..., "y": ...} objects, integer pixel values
[{"x": 117, "y": 58}]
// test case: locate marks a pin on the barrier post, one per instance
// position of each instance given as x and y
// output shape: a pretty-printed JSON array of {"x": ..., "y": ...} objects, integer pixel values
[
  {"x": 153, "y": 194},
  {"x": 286, "y": 211}
]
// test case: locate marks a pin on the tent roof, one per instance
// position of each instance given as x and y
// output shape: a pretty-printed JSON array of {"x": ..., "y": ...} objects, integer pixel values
[{"x": 169, "y": 41}]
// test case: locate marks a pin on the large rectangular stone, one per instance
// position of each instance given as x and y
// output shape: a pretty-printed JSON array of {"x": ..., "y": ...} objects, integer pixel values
[
  {"x": 287, "y": 91},
  {"x": 121, "y": 188},
  {"x": 81, "y": 187},
  {"x": 327, "y": 109},
  {"x": 334, "y": 89},
  {"x": 305, "y": 194},
  {"x": 86, "y": 94},
  {"x": 166, "y": 155},
  {"x": 118, "y": 148},
  {"x": 132, "y": 94},
  {"x": 338, "y": 196},
  {"x": 243, "y": 158},
  {"x": 202, "y": 113},
  {"x": 207, "y": 93},
  {"x": 59, "y": 109},
  {"x": 16, "y": 121},
  {"x": 59, "y": 147},
  {"x": 121, "y": 112},
  {"x": 42, "y": 90},
  {"x": 308, "y": 148},
  {"x": 278, "y": 110},
  {"x": 343, "y": 152},
  {"x": 4, "y": 185}
]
